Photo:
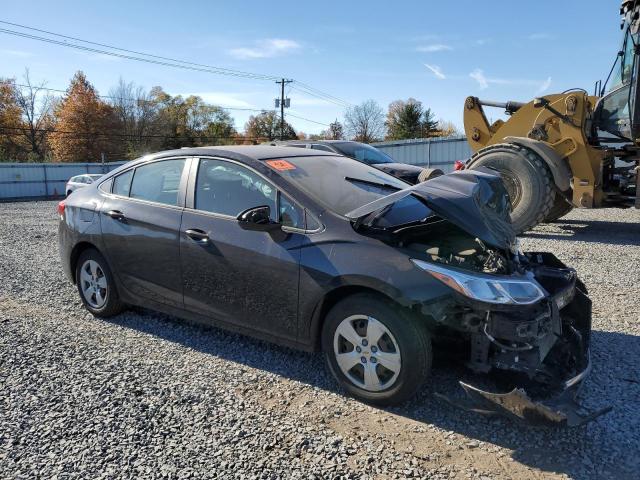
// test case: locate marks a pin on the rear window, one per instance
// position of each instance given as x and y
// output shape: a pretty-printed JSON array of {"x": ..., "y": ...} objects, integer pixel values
[{"x": 338, "y": 183}]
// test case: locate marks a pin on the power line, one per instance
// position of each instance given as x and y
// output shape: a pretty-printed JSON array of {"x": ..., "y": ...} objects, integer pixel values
[
  {"x": 161, "y": 60},
  {"x": 306, "y": 119},
  {"x": 115, "y": 97},
  {"x": 220, "y": 70},
  {"x": 18, "y": 131}
]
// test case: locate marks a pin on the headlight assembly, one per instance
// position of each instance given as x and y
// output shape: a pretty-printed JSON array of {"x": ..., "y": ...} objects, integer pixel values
[{"x": 484, "y": 287}]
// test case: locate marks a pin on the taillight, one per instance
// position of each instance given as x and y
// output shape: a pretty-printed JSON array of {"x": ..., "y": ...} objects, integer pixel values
[
  {"x": 61, "y": 209},
  {"x": 458, "y": 165}
]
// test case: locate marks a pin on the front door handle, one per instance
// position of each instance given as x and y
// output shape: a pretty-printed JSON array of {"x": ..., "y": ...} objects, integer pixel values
[
  {"x": 199, "y": 236},
  {"x": 116, "y": 214}
]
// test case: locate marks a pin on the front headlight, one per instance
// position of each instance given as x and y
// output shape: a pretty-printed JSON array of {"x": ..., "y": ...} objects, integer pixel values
[{"x": 484, "y": 287}]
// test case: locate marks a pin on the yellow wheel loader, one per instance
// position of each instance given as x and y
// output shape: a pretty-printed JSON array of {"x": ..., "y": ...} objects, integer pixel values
[{"x": 569, "y": 149}]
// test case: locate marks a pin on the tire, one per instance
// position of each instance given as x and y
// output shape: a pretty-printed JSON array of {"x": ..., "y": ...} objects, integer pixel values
[
  {"x": 560, "y": 208},
  {"x": 403, "y": 343},
  {"x": 96, "y": 285},
  {"x": 428, "y": 174},
  {"x": 527, "y": 179}
]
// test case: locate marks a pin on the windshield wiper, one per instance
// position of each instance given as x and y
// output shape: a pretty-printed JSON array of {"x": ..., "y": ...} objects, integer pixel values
[{"x": 370, "y": 182}]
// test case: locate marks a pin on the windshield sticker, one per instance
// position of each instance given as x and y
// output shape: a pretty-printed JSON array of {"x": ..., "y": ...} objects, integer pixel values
[{"x": 281, "y": 165}]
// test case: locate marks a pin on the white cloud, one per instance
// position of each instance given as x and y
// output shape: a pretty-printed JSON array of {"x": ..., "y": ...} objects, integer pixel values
[
  {"x": 478, "y": 76},
  {"x": 17, "y": 53},
  {"x": 268, "y": 48},
  {"x": 484, "y": 82},
  {"x": 436, "y": 47},
  {"x": 436, "y": 70},
  {"x": 544, "y": 86},
  {"x": 540, "y": 36}
]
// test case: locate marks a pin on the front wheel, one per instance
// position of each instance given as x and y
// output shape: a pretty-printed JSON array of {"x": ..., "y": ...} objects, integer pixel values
[{"x": 377, "y": 351}]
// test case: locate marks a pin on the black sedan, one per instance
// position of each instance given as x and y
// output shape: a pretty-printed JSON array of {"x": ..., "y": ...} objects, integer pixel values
[
  {"x": 370, "y": 155},
  {"x": 319, "y": 251}
]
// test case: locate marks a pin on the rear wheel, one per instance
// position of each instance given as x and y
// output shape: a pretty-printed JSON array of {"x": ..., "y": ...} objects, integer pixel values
[
  {"x": 526, "y": 178},
  {"x": 377, "y": 351},
  {"x": 96, "y": 285}
]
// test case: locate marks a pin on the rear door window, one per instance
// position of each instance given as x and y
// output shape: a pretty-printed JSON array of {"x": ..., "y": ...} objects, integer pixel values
[{"x": 158, "y": 181}]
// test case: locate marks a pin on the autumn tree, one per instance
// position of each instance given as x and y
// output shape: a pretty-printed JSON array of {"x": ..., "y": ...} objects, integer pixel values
[
  {"x": 365, "y": 122},
  {"x": 266, "y": 126},
  {"x": 186, "y": 122},
  {"x": 447, "y": 128},
  {"x": 10, "y": 121},
  {"x": 84, "y": 124}
]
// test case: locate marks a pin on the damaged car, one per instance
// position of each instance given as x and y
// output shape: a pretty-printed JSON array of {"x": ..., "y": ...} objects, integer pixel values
[{"x": 320, "y": 252}]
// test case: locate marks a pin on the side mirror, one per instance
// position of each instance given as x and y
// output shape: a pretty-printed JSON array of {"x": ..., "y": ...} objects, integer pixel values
[{"x": 258, "y": 219}]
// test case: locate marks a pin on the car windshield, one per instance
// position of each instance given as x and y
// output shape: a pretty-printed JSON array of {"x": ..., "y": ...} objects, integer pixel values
[
  {"x": 363, "y": 153},
  {"x": 340, "y": 184}
]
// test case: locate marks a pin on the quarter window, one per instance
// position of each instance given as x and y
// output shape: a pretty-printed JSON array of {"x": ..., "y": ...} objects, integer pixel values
[
  {"x": 158, "y": 181},
  {"x": 122, "y": 183},
  {"x": 229, "y": 189},
  {"x": 291, "y": 215}
]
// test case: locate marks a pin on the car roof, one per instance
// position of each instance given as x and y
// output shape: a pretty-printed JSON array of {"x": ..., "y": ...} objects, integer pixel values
[{"x": 253, "y": 152}]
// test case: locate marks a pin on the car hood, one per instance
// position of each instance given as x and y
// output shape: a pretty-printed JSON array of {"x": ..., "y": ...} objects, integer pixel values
[{"x": 474, "y": 200}]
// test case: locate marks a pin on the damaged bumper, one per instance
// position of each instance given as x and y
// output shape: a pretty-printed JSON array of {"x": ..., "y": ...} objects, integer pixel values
[
  {"x": 541, "y": 353},
  {"x": 561, "y": 411}
]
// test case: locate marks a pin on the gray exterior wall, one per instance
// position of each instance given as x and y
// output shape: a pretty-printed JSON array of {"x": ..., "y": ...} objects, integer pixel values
[
  {"x": 24, "y": 181},
  {"x": 428, "y": 152}
]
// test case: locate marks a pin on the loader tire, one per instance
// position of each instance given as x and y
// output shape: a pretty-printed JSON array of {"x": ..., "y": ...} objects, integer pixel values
[
  {"x": 560, "y": 208},
  {"x": 527, "y": 179}
]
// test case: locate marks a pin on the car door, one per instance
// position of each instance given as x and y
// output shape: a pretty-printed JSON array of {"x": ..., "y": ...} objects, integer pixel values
[
  {"x": 247, "y": 278},
  {"x": 140, "y": 221}
]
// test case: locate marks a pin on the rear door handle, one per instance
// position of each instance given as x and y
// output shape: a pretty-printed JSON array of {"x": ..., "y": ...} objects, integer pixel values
[
  {"x": 198, "y": 235},
  {"x": 116, "y": 214}
]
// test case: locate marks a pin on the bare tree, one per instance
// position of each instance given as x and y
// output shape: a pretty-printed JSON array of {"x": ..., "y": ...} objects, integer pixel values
[
  {"x": 365, "y": 122},
  {"x": 334, "y": 132},
  {"x": 36, "y": 103},
  {"x": 136, "y": 112}
]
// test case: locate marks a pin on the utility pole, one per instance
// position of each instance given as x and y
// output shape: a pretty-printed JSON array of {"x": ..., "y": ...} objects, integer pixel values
[{"x": 282, "y": 102}]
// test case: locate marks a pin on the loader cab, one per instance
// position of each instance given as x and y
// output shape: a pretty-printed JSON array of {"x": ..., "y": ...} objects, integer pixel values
[{"x": 618, "y": 112}]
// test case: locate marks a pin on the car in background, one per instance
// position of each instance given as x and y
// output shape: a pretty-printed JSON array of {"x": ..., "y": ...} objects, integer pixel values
[
  {"x": 80, "y": 181},
  {"x": 318, "y": 251},
  {"x": 367, "y": 154}
]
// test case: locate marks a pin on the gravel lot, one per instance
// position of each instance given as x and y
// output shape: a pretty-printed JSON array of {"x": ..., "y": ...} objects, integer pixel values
[{"x": 146, "y": 395}]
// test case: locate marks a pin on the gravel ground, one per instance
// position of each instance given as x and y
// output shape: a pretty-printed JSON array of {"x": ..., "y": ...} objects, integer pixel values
[{"x": 146, "y": 395}]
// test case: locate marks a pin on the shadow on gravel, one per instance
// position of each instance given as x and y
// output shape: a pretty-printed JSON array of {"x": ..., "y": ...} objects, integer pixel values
[
  {"x": 593, "y": 231},
  {"x": 600, "y": 447}
]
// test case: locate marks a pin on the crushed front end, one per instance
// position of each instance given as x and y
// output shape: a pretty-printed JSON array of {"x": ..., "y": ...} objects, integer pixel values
[
  {"x": 541, "y": 350},
  {"x": 525, "y": 318}
]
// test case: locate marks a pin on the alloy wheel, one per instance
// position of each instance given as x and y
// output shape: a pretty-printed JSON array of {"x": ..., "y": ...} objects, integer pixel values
[
  {"x": 93, "y": 283},
  {"x": 367, "y": 353}
]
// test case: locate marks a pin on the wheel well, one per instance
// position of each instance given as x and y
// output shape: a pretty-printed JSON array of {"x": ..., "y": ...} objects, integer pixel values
[
  {"x": 331, "y": 299},
  {"x": 75, "y": 254}
]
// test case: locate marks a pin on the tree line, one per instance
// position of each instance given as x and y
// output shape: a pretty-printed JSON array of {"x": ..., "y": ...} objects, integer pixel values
[{"x": 82, "y": 126}]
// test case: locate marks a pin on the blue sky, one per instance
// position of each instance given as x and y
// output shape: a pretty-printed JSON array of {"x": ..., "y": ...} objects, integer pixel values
[{"x": 437, "y": 52}]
